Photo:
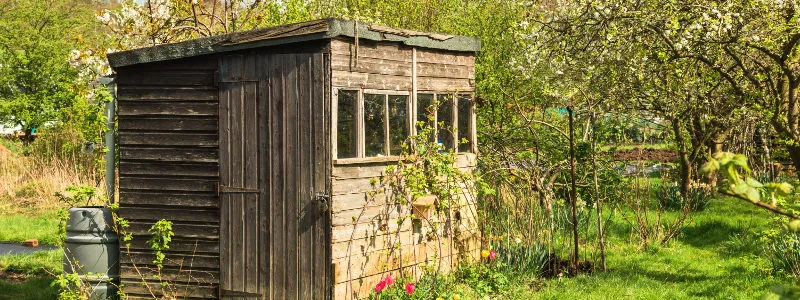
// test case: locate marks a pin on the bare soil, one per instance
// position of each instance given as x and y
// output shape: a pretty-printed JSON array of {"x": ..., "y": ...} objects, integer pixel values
[
  {"x": 645, "y": 154},
  {"x": 12, "y": 277}
]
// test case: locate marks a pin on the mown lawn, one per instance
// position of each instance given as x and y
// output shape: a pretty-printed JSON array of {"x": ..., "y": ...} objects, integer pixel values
[
  {"x": 20, "y": 227},
  {"x": 34, "y": 288},
  {"x": 28, "y": 276}
]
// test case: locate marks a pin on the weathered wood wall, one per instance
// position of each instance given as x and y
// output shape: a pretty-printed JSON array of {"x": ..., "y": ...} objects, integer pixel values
[
  {"x": 169, "y": 170},
  {"x": 360, "y": 251},
  {"x": 387, "y": 66}
]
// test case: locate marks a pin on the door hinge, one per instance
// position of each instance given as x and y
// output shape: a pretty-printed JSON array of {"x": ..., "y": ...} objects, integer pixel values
[
  {"x": 230, "y": 293},
  {"x": 235, "y": 189}
]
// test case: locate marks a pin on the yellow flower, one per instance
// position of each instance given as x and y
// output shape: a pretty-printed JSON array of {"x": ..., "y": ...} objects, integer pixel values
[
  {"x": 485, "y": 253},
  {"x": 439, "y": 298},
  {"x": 456, "y": 297}
]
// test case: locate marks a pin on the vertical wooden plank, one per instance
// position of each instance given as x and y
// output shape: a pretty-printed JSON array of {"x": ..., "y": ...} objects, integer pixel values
[
  {"x": 305, "y": 168},
  {"x": 320, "y": 144},
  {"x": 292, "y": 195},
  {"x": 265, "y": 153},
  {"x": 224, "y": 154},
  {"x": 237, "y": 174},
  {"x": 277, "y": 229},
  {"x": 250, "y": 154}
]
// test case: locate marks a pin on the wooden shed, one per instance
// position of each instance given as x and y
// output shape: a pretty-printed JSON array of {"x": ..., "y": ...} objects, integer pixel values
[{"x": 260, "y": 146}]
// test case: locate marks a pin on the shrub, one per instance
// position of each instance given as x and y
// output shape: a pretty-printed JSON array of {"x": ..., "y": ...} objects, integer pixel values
[
  {"x": 485, "y": 278},
  {"x": 698, "y": 199}
]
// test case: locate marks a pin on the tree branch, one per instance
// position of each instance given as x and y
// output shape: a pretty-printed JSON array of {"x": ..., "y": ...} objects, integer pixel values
[{"x": 763, "y": 205}]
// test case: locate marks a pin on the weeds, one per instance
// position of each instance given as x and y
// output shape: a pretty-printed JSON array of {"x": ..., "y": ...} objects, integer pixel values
[
  {"x": 783, "y": 252},
  {"x": 29, "y": 182}
]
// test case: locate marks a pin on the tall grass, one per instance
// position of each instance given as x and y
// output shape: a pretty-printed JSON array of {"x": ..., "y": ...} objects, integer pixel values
[{"x": 31, "y": 174}]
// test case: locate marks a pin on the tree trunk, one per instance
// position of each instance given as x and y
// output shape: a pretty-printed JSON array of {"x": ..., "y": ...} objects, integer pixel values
[
  {"x": 28, "y": 135},
  {"x": 598, "y": 203},
  {"x": 794, "y": 153},
  {"x": 683, "y": 157},
  {"x": 714, "y": 146},
  {"x": 573, "y": 196}
]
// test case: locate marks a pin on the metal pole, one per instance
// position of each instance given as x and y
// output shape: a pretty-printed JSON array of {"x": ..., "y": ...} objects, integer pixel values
[{"x": 109, "y": 140}]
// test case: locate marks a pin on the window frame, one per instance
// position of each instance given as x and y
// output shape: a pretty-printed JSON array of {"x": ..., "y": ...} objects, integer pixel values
[
  {"x": 412, "y": 109},
  {"x": 472, "y": 133}
]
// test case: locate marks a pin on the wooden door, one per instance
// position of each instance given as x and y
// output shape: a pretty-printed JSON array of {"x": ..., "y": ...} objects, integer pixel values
[{"x": 274, "y": 241}]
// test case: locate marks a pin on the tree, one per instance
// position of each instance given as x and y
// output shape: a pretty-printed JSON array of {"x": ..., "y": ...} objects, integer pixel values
[
  {"x": 152, "y": 22},
  {"x": 37, "y": 82},
  {"x": 751, "y": 47}
]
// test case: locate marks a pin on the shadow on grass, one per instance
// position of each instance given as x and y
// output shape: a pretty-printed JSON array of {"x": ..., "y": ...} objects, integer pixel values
[
  {"x": 709, "y": 234},
  {"x": 31, "y": 288},
  {"x": 691, "y": 282}
]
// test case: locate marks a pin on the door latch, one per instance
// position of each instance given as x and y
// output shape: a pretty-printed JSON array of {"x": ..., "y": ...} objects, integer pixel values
[{"x": 323, "y": 200}]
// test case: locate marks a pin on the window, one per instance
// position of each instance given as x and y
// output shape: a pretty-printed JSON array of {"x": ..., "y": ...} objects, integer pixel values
[
  {"x": 345, "y": 124},
  {"x": 425, "y": 112},
  {"x": 398, "y": 123},
  {"x": 444, "y": 121},
  {"x": 452, "y": 114},
  {"x": 464, "y": 105},
  {"x": 374, "y": 123}
]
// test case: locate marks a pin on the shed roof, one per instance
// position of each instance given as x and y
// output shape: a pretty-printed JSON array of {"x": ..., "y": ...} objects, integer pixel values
[{"x": 292, "y": 33}]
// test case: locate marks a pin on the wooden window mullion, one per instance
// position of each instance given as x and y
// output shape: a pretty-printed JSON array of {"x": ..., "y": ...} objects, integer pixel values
[
  {"x": 454, "y": 143},
  {"x": 360, "y": 133},
  {"x": 386, "y": 138}
]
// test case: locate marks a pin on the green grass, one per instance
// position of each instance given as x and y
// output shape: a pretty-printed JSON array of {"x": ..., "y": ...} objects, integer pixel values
[
  {"x": 33, "y": 288},
  {"x": 717, "y": 256},
  {"x": 19, "y": 227},
  {"x": 38, "y": 263},
  {"x": 33, "y": 275},
  {"x": 13, "y": 146}
]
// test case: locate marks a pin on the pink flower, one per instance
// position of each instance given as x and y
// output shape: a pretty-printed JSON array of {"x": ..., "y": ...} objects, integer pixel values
[
  {"x": 380, "y": 286},
  {"x": 389, "y": 279},
  {"x": 410, "y": 288},
  {"x": 493, "y": 254}
]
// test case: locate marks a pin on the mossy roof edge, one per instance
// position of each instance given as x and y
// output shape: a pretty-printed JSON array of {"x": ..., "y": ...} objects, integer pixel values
[{"x": 288, "y": 34}]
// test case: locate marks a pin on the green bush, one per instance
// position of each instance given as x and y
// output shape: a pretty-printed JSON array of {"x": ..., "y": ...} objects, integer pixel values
[
  {"x": 698, "y": 199},
  {"x": 485, "y": 279}
]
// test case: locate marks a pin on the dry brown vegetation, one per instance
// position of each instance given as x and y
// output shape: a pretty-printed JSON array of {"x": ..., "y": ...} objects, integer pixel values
[{"x": 28, "y": 183}]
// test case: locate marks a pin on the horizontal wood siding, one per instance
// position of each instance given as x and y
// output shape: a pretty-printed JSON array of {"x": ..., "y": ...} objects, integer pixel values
[
  {"x": 388, "y": 66},
  {"x": 168, "y": 169},
  {"x": 367, "y": 242}
]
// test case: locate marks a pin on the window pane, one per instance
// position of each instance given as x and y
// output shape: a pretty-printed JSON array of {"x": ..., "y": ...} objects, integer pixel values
[
  {"x": 398, "y": 123},
  {"x": 464, "y": 120},
  {"x": 375, "y": 124},
  {"x": 445, "y": 120},
  {"x": 346, "y": 125},
  {"x": 424, "y": 109}
]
